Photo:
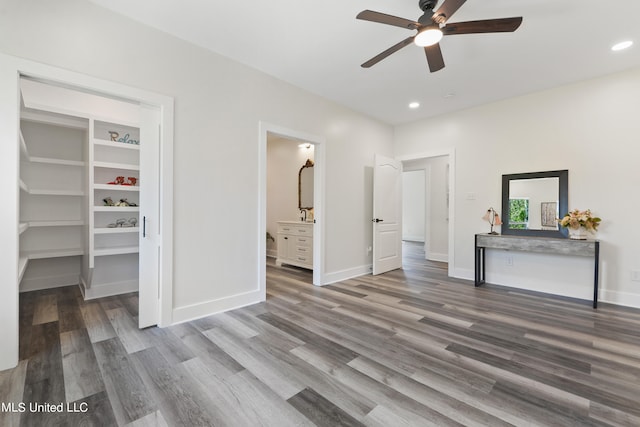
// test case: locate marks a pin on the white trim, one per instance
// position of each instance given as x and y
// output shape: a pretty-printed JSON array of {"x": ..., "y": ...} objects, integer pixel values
[
  {"x": 434, "y": 256},
  {"x": 11, "y": 70},
  {"x": 48, "y": 282},
  {"x": 209, "y": 308},
  {"x": 451, "y": 153},
  {"x": 626, "y": 299},
  {"x": 318, "y": 199},
  {"x": 107, "y": 289},
  {"x": 350, "y": 273}
]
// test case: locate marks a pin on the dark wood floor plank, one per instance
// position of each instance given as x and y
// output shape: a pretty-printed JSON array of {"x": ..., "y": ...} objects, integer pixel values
[
  {"x": 321, "y": 411},
  {"x": 179, "y": 399},
  {"x": 128, "y": 394},
  {"x": 82, "y": 377}
]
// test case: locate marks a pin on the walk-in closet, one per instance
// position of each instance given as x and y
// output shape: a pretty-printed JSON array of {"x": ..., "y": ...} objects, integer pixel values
[{"x": 81, "y": 184}]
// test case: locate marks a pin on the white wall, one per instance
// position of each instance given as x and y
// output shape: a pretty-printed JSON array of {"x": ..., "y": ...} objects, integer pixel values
[
  {"x": 284, "y": 160},
  {"x": 436, "y": 217},
  {"x": 591, "y": 129},
  {"x": 218, "y": 106},
  {"x": 413, "y": 205}
]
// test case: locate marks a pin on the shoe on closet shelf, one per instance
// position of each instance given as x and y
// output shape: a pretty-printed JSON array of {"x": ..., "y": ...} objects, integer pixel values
[
  {"x": 118, "y": 181},
  {"x": 108, "y": 201}
]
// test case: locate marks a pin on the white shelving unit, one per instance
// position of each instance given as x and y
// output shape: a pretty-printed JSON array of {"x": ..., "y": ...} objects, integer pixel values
[
  {"x": 113, "y": 251},
  {"x": 52, "y": 180}
]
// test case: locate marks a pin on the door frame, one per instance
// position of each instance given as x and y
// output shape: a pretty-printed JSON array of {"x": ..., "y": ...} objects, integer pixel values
[
  {"x": 11, "y": 69},
  {"x": 450, "y": 152},
  {"x": 319, "y": 169}
]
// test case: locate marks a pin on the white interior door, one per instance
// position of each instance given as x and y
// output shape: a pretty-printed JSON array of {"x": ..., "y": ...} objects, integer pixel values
[
  {"x": 387, "y": 214},
  {"x": 149, "y": 257}
]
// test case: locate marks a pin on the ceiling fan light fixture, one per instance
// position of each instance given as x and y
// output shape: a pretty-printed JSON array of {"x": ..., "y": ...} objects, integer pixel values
[
  {"x": 428, "y": 37},
  {"x": 621, "y": 46}
]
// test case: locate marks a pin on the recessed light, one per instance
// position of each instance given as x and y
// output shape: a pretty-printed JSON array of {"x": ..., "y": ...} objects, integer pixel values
[
  {"x": 414, "y": 105},
  {"x": 449, "y": 95},
  {"x": 622, "y": 45}
]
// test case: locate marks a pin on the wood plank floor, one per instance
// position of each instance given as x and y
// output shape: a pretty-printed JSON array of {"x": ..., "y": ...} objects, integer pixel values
[{"x": 407, "y": 348}]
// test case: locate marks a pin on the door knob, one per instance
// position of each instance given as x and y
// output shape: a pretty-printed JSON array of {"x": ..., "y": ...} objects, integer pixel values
[{"x": 377, "y": 220}]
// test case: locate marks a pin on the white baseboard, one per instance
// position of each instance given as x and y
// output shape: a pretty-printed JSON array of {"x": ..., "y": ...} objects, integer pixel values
[
  {"x": 48, "y": 282},
  {"x": 463, "y": 273},
  {"x": 434, "y": 256},
  {"x": 349, "y": 273},
  {"x": 418, "y": 239},
  {"x": 107, "y": 289},
  {"x": 272, "y": 253},
  {"x": 626, "y": 299},
  {"x": 208, "y": 308}
]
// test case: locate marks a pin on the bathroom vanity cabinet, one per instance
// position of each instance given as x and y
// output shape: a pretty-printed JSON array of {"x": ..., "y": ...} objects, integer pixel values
[{"x": 295, "y": 244}]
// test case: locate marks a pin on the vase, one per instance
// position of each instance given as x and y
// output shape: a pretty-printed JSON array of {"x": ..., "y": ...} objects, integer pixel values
[{"x": 579, "y": 233}]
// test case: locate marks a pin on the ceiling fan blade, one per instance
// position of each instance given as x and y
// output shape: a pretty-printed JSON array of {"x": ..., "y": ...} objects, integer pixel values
[
  {"x": 383, "y": 18},
  {"x": 434, "y": 57},
  {"x": 448, "y": 8},
  {"x": 392, "y": 49},
  {"x": 502, "y": 25}
]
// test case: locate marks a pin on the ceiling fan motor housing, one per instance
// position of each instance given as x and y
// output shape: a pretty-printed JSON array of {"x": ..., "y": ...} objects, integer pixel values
[
  {"x": 428, "y": 17},
  {"x": 427, "y": 4}
]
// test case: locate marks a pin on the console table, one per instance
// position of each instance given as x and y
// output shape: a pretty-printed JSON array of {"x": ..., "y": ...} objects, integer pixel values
[{"x": 548, "y": 245}]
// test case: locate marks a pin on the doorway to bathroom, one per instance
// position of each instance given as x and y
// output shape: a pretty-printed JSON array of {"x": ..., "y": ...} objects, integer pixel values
[{"x": 291, "y": 196}]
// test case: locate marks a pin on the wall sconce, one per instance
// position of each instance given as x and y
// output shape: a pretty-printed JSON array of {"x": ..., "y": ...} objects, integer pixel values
[{"x": 493, "y": 218}]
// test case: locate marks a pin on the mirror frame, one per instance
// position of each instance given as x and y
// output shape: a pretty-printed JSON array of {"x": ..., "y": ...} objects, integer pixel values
[
  {"x": 308, "y": 164},
  {"x": 563, "y": 203}
]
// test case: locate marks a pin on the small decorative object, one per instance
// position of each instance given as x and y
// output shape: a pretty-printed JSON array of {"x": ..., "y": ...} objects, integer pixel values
[
  {"x": 125, "y": 139},
  {"x": 108, "y": 201},
  {"x": 579, "y": 223},
  {"x": 118, "y": 181},
  {"x": 114, "y": 135},
  {"x": 493, "y": 218}
]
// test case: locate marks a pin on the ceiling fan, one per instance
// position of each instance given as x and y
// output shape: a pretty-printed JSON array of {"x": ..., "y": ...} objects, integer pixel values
[{"x": 432, "y": 26}]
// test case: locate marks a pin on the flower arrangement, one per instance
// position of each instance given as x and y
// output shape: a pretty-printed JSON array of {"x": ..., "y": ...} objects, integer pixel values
[{"x": 577, "y": 218}]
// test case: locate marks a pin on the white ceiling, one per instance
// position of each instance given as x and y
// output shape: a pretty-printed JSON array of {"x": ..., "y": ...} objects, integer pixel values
[{"x": 319, "y": 46}]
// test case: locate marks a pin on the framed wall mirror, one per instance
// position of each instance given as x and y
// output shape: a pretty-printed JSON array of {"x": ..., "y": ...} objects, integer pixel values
[
  {"x": 532, "y": 203},
  {"x": 305, "y": 186}
]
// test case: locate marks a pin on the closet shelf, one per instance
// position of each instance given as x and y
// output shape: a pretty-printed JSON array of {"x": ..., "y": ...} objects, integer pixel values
[
  {"x": 110, "y": 165},
  {"x": 23, "y": 146},
  {"x": 24, "y": 226},
  {"x": 55, "y": 223},
  {"x": 55, "y": 192},
  {"x": 116, "y": 144},
  {"x": 52, "y": 253},
  {"x": 116, "y": 187},
  {"x": 116, "y": 230},
  {"x": 117, "y": 250},
  {"x": 52, "y": 161},
  {"x": 23, "y": 260},
  {"x": 116, "y": 209}
]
